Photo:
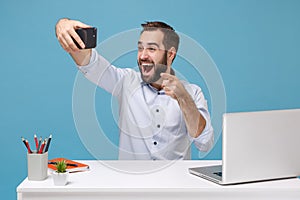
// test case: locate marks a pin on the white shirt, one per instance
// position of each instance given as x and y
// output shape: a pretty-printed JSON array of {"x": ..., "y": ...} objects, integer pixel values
[{"x": 151, "y": 123}]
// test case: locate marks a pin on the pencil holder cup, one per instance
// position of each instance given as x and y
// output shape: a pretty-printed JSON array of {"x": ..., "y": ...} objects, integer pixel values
[{"x": 37, "y": 165}]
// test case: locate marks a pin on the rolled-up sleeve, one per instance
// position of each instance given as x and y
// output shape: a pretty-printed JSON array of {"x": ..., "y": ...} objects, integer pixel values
[{"x": 204, "y": 142}]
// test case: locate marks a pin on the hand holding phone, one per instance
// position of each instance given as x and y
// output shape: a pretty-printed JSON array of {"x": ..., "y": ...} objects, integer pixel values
[{"x": 88, "y": 37}]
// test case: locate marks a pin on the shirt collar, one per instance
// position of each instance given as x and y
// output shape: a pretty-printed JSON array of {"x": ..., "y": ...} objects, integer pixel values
[{"x": 153, "y": 89}]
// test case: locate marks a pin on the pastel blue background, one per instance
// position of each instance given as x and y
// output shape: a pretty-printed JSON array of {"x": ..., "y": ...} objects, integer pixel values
[{"x": 254, "y": 43}]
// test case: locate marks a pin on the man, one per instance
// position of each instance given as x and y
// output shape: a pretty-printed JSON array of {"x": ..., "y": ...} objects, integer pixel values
[{"x": 159, "y": 115}]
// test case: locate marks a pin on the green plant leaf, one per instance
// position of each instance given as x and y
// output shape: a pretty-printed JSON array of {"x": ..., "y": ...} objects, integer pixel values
[{"x": 61, "y": 166}]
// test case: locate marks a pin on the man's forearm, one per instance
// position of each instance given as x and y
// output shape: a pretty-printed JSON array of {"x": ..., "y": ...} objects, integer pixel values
[
  {"x": 195, "y": 122},
  {"x": 81, "y": 57}
]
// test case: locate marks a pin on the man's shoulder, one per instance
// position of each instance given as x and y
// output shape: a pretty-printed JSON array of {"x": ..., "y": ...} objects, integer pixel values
[
  {"x": 191, "y": 85},
  {"x": 193, "y": 89},
  {"x": 132, "y": 76}
]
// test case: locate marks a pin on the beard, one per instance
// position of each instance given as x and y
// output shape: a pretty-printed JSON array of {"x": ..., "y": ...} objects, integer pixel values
[{"x": 159, "y": 68}]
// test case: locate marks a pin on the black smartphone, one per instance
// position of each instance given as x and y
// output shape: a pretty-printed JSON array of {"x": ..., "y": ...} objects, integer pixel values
[{"x": 88, "y": 37}]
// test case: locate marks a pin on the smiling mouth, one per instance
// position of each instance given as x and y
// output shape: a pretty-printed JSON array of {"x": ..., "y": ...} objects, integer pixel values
[{"x": 147, "y": 67}]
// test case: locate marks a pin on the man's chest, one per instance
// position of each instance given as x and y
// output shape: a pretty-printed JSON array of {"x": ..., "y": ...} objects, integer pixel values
[{"x": 146, "y": 108}]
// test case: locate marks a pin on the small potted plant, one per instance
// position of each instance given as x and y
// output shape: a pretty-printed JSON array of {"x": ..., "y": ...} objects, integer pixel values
[{"x": 60, "y": 176}]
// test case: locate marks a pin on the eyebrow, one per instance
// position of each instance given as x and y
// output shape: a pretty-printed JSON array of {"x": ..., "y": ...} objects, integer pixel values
[{"x": 149, "y": 43}]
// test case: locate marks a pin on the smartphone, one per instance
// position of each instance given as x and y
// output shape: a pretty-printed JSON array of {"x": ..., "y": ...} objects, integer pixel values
[{"x": 88, "y": 37}]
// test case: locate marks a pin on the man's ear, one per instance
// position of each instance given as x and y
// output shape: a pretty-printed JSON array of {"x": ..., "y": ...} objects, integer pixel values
[{"x": 171, "y": 55}]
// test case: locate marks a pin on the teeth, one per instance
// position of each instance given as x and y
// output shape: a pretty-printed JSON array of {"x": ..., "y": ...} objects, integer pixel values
[{"x": 147, "y": 65}]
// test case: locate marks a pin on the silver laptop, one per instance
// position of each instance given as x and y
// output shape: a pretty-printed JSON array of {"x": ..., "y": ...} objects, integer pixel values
[{"x": 257, "y": 146}]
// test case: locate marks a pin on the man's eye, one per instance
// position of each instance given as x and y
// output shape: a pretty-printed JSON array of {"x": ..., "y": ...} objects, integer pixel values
[
  {"x": 152, "y": 49},
  {"x": 140, "y": 48}
]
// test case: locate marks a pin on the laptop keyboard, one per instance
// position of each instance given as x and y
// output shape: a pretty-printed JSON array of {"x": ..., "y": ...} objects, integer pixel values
[{"x": 218, "y": 174}]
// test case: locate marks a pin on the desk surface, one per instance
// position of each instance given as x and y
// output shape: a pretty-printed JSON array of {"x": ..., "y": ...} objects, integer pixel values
[{"x": 159, "y": 179}]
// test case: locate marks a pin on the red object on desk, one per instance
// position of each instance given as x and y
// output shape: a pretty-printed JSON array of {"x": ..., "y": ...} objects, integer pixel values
[
  {"x": 42, "y": 147},
  {"x": 74, "y": 167},
  {"x": 28, "y": 146},
  {"x": 36, "y": 142}
]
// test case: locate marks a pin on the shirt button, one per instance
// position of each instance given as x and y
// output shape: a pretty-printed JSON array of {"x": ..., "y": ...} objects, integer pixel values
[
  {"x": 158, "y": 125},
  {"x": 157, "y": 110},
  {"x": 155, "y": 143}
]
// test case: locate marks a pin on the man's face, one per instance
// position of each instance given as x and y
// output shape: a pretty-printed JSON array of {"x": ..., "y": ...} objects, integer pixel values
[{"x": 152, "y": 56}]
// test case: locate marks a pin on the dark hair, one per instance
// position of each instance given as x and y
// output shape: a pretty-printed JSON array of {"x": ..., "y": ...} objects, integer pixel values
[{"x": 171, "y": 38}]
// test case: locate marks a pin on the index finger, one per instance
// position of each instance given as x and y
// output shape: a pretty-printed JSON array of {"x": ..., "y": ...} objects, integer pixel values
[
  {"x": 75, "y": 36},
  {"x": 75, "y": 39},
  {"x": 167, "y": 76}
]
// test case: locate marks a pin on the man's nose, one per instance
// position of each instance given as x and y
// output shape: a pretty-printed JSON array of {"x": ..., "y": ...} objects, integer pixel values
[{"x": 144, "y": 54}]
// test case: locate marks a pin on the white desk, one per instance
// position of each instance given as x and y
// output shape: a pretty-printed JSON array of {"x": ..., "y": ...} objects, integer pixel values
[{"x": 169, "y": 181}]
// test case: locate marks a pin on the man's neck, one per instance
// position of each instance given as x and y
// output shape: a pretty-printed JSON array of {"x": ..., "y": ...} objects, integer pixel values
[{"x": 156, "y": 86}]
